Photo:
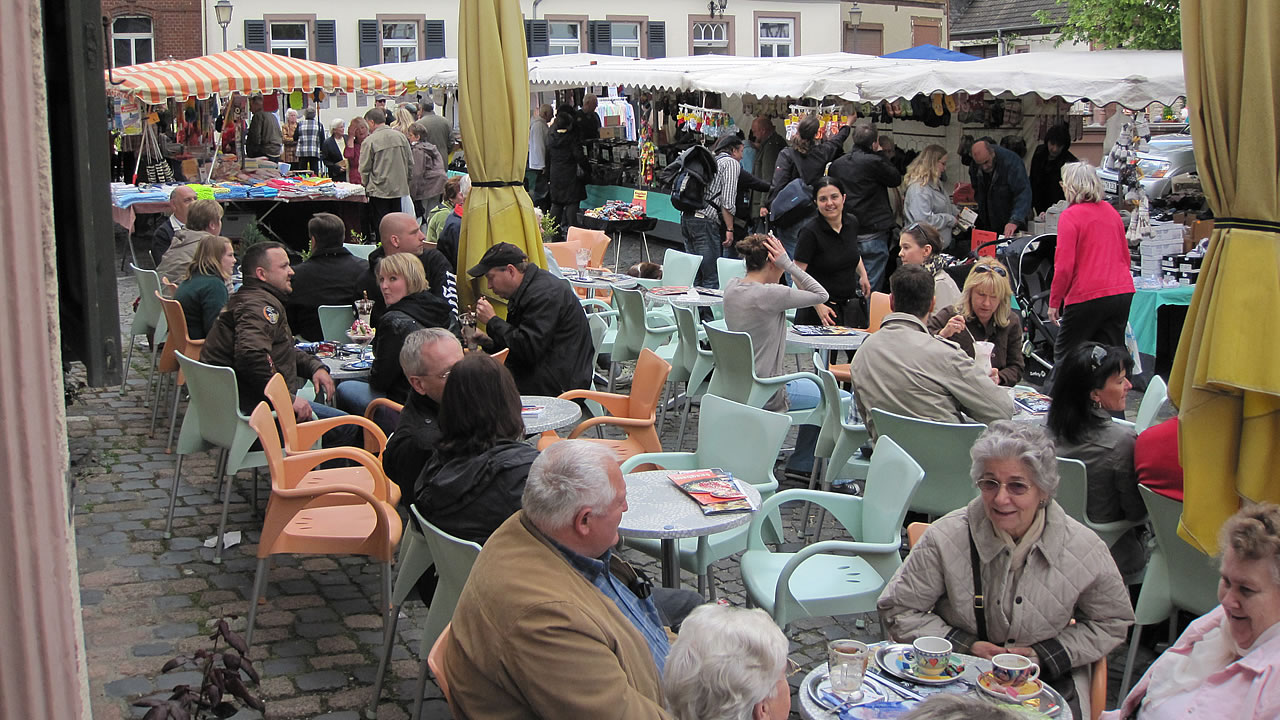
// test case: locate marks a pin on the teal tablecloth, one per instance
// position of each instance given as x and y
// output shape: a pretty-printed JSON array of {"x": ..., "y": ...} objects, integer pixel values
[{"x": 1142, "y": 312}]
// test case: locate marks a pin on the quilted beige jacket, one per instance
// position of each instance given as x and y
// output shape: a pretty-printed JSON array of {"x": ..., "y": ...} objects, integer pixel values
[{"x": 1069, "y": 574}]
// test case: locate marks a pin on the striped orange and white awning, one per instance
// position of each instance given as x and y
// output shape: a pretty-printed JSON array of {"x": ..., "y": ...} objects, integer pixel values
[{"x": 246, "y": 72}]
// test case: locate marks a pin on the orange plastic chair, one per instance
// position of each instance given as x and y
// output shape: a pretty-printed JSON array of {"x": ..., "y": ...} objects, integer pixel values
[
  {"x": 369, "y": 412},
  {"x": 597, "y": 241},
  {"x": 321, "y": 512},
  {"x": 565, "y": 253},
  {"x": 300, "y": 437},
  {"x": 879, "y": 308},
  {"x": 1097, "y": 688},
  {"x": 914, "y": 531},
  {"x": 436, "y": 661},
  {"x": 178, "y": 341},
  {"x": 634, "y": 413},
  {"x": 501, "y": 355}
]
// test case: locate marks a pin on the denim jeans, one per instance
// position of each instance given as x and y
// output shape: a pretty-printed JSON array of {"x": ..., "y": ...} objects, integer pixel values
[
  {"x": 346, "y": 435},
  {"x": 703, "y": 237},
  {"x": 789, "y": 236},
  {"x": 874, "y": 248},
  {"x": 802, "y": 395}
]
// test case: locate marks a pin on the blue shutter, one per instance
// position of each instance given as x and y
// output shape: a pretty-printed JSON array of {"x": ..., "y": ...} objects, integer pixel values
[
  {"x": 433, "y": 32},
  {"x": 327, "y": 41},
  {"x": 255, "y": 35},
  {"x": 600, "y": 37},
  {"x": 537, "y": 37},
  {"x": 657, "y": 39},
  {"x": 370, "y": 44}
]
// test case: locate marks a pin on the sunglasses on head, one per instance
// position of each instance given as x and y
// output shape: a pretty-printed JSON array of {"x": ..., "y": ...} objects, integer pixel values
[
  {"x": 979, "y": 269},
  {"x": 1096, "y": 357}
]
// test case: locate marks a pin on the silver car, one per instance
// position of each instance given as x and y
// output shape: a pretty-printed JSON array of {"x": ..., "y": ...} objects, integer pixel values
[{"x": 1164, "y": 157}]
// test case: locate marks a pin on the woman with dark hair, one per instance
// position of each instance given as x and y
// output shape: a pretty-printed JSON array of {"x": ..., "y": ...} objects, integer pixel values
[
  {"x": 476, "y": 477},
  {"x": 828, "y": 250},
  {"x": 920, "y": 244},
  {"x": 806, "y": 158},
  {"x": 1092, "y": 382},
  {"x": 567, "y": 168},
  {"x": 1046, "y": 167}
]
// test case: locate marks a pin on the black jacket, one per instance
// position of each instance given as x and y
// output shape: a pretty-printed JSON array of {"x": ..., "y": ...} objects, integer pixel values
[
  {"x": 447, "y": 243},
  {"x": 413, "y": 312},
  {"x": 1046, "y": 177},
  {"x": 564, "y": 159},
  {"x": 867, "y": 177},
  {"x": 439, "y": 276},
  {"x": 469, "y": 497},
  {"x": 792, "y": 165},
  {"x": 412, "y": 445},
  {"x": 332, "y": 157},
  {"x": 1004, "y": 196},
  {"x": 747, "y": 183},
  {"x": 548, "y": 335},
  {"x": 161, "y": 239},
  {"x": 329, "y": 277}
]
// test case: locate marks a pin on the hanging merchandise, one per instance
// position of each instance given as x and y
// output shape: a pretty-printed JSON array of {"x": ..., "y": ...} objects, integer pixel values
[
  {"x": 295, "y": 99},
  {"x": 830, "y": 118},
  {"x": 648, "y": 162},
  {"x": 711, "y": 123}
]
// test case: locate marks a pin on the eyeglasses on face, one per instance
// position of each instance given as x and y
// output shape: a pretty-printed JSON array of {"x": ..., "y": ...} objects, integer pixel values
[
  {"x": 980, "y": 269},
  {"x": 1016, "y": 488}
]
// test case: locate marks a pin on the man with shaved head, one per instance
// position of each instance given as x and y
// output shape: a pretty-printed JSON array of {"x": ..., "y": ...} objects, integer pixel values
[
  {"x": 179, "y": 201},
  {"x": 401, "y": 233}
]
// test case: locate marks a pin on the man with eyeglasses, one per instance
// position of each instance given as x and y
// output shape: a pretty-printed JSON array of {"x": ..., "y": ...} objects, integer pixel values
[
  {"x": 427, "y": 356},
  {"x": 1001, "y": 187},
  {"x": 903, "y": 369}
]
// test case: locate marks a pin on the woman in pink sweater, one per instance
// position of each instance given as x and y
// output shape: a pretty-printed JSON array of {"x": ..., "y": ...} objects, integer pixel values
[{"x": 1092, "y": 287}]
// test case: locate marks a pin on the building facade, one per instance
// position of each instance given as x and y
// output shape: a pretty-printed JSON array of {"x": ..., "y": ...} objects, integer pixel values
[{"x": 145, "y": 30}]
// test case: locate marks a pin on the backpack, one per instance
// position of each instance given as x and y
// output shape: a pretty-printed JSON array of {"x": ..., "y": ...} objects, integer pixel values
[{"x": 689, "y": 175}]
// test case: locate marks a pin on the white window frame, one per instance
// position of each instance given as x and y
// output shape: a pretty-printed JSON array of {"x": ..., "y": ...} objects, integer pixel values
[
  {"x": 712, "y": 44},
  {"x": 563, "y": 46},
  {"x": 290, "y": 47},
  {"x": 400, "y": 44},
  {"x": 773, "y": 43},
  {"x": 132, "y": 38},
  {"x": 625, "y": 47}
]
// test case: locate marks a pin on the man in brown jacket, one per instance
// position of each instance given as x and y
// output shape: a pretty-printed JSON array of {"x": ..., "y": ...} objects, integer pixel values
[
  {"x": 385, "y": 162},
  {"x": 551, "y": 624}
]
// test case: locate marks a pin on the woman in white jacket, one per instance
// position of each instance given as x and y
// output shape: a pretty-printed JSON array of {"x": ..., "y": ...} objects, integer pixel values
[{"x": 925, "y": 202}]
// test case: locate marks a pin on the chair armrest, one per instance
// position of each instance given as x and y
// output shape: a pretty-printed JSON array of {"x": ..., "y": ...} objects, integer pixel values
[
  {"x": 784, "y": 379},
  {"x": 304, "y": 462},
  {"x": 827, "y": 546},
  {"x": 664, "y": 460},
  {"x": 623, "y": 422},
  {"x": 616, "y": 404},
  {"x": 309, "y": 432}
]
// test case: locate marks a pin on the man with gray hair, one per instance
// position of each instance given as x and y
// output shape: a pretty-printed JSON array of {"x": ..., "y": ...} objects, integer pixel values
[
  {"x": 426, "y": 357},
  {"x": 552, "y": 623},
  {"x": 438, "y": 129},
  {"x": 310, "y": 137}
]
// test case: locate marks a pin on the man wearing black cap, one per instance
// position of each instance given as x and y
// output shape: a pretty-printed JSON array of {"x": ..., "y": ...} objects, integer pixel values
[{"x": 546, "y": 329}]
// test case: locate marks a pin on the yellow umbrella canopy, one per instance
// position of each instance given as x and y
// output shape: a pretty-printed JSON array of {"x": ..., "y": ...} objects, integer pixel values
[
  {"x": 1226, "y": 376},
  {"x": 493, "y": 83}
]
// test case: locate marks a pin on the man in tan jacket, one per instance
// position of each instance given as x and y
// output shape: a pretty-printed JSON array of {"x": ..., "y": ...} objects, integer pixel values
[
  {"x": 385, "y": 162},
  {"x": 903, "y": 369},
  {"x": 550, "y": 623}
]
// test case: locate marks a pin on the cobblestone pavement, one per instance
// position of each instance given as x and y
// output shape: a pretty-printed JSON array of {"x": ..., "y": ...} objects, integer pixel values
[{"x": 146, "y": 599}]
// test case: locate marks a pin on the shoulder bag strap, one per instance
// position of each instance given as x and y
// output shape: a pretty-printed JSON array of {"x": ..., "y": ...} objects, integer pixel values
[{"x": 979, "y": 603}]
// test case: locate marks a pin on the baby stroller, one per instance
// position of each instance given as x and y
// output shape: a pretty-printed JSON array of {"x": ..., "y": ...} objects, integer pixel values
[{"x": 1030, "y": 263}]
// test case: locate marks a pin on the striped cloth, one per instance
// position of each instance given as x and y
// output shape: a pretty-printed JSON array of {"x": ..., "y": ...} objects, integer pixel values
[{"x": 310, "y": 136}]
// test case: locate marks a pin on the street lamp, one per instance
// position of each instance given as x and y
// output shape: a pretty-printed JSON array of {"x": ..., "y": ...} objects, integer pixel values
[
  {"x": 717, "y": 7},
  {"x": 855, "y": 18},
  {"x": 223, "y": 12}
]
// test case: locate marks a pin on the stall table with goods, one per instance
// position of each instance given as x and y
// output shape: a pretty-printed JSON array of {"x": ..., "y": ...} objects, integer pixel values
[{"x": 616, "y": 217}]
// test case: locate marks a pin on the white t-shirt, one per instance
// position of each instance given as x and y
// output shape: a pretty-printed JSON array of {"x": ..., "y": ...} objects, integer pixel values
[{"x": 538, "y": 131}]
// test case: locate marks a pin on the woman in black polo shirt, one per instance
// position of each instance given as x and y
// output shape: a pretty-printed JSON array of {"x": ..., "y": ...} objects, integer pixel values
[{"x": 828, "y": 251}]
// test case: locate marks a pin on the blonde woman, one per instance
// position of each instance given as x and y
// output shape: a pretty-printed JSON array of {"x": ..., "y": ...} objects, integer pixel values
[
  {"x": 203, "y": 291},
  {"x": 984, "y": 314},
  {"x": 403, "y": 120},
  {"x": 925, "y": 200}
]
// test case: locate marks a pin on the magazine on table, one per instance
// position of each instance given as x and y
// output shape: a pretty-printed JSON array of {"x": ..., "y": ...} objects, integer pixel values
[
  {"x": 531, "y": 411},
  {"x": 670, "y": 290},
  {"x": 816, "y": 330},
  {"x": 1031, "y": 401},
  {"x": 716, "y": 491}
]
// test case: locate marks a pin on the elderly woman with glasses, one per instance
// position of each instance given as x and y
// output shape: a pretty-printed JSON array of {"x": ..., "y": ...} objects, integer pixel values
[
  {"x": 984, "y": 314},
  {"x": 1092, "y": 384},
  {"x": 1010, "y": 571},
  {"x": 728, "y": 664}
]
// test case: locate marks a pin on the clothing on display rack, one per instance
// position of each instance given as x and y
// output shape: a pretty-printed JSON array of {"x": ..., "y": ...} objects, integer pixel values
[{"x": 615, "y": 112}]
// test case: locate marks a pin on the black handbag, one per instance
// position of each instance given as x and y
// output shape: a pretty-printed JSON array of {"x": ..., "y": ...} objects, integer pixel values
[{"x": 793, "y": 203}]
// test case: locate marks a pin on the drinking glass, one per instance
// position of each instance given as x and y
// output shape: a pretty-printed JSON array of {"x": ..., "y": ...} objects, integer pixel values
[
  {"x": 468, "y": 322},
  {"x": 583, "y": 258},
  {"x": 847, "y": 664}
]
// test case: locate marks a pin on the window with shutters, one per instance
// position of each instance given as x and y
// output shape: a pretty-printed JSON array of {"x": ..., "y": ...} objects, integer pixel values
[
  {"x": 292, "y": 39},
  {"x": 400, "y": 41},
  {"x": 776, "y": 37},
  {"x": 131, "y": 40},
  {"x": 626, "y": 39},
  {"x": 710, "y": 38},
  {"x": 565, "y": 38}
]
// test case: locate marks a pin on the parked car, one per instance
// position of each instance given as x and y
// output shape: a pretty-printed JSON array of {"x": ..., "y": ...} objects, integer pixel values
[{"x": 1164, "y": 157}]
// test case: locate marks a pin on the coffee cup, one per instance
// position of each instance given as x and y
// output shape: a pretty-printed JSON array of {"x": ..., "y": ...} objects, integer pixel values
[
  {"x": 1012, "y": 670},
  {"x": 930, "y": 656}
]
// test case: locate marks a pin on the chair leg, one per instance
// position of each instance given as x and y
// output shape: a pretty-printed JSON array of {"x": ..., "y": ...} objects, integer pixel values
[
  {"x": 155, "y": 407},
  {"x": 613, "y": 374},
  {"x": 711, "y": 584},
  {"x": 259, "y": 584},
  {"x": 384, "y": 661},
  {"x": 684, "y": 418},
  {"x": 387, "y": 609},
  {"x": 702, "y": 584},
  {"x": 253, "y": 499},
  {"x": 128, "y": 358},
  {"x": 222, "y": 523},
  {"x": 173, "y": 414},
  {"x": 808, "y": 507},
  {"x": 421, "y": 686},
  {"x": 173, "y": 499},
  {"x": 151, "y": 375},
  {"x": 1129, "y": 660}
]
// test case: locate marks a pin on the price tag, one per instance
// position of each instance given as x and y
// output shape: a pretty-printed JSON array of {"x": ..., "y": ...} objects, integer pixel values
[{"x": 641, "y": 198}]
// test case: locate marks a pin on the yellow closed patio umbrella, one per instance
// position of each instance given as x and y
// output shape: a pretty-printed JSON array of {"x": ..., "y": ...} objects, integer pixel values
[
  {"x": 493, "y": 84},
  {"x": 1226, "y": 376}
]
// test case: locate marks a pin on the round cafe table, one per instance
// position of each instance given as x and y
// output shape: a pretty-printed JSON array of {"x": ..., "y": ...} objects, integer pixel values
[
  {"x": 657, "y": 509},
  {"x": 595, "y": 282},
  {"x": 703, "y": 299},
  {"x": 966, "y": 685},
  {"x": 556, "y": 413},
  {"x": 849, "y": 341}
]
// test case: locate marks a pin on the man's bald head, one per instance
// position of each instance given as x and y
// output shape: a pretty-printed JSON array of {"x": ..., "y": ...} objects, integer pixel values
[
  {"x": 761, "y": 127},
  {"x": 400, "y": 233},
  {"x": 180, "y": 201}
]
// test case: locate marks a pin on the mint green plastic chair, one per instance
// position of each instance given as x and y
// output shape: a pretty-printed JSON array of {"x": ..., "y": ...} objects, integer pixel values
[
  {"x": 1152, "y": 400},
  {"x": 1073, "y": 496},
  {"x": 742, "y": 440},
  {"x": 679, "y": 269},
  {"x": 146, "y": 319},
  {"x": 453, "y": 561},
  {"x": 726, "y": 270},
  {"x": 691, "y": 365},
  {"x": 817, "y": 582},
  {"x": 214, "y": 420},
  {"x": 635, "y": 333},
  {"x": 942, "y": 449},
  {"x": 735, "y": 376},
  {"x": 361, "y": 251},
  {"x": 834, "y": 434},
  {"x": 336, "y": 320},
  {"x": 413, "y": 560},
  {"x": 1179, "y": 577}
]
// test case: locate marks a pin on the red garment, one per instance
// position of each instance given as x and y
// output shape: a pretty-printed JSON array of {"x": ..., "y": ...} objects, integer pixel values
[
  {"x": 457, "y": 209},
  {"x": 1155, "y": 458},
  {"x": 1092, "y": 257}
]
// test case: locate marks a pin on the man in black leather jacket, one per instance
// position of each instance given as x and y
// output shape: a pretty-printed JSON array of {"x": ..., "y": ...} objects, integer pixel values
[{"x": 867, "y": 177}]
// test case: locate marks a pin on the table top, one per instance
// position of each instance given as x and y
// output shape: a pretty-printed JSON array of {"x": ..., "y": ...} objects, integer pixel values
[
  {"x": 683, "y": 299},
  {"x": 851, "y": 341},
  {"x": 967, "y": 684},
  {"x": 598, "y": 283},
  {"x": 660, "y": 510},
  {"x": 334, "y": 364},
  {"x": 556, "y": 413}
]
